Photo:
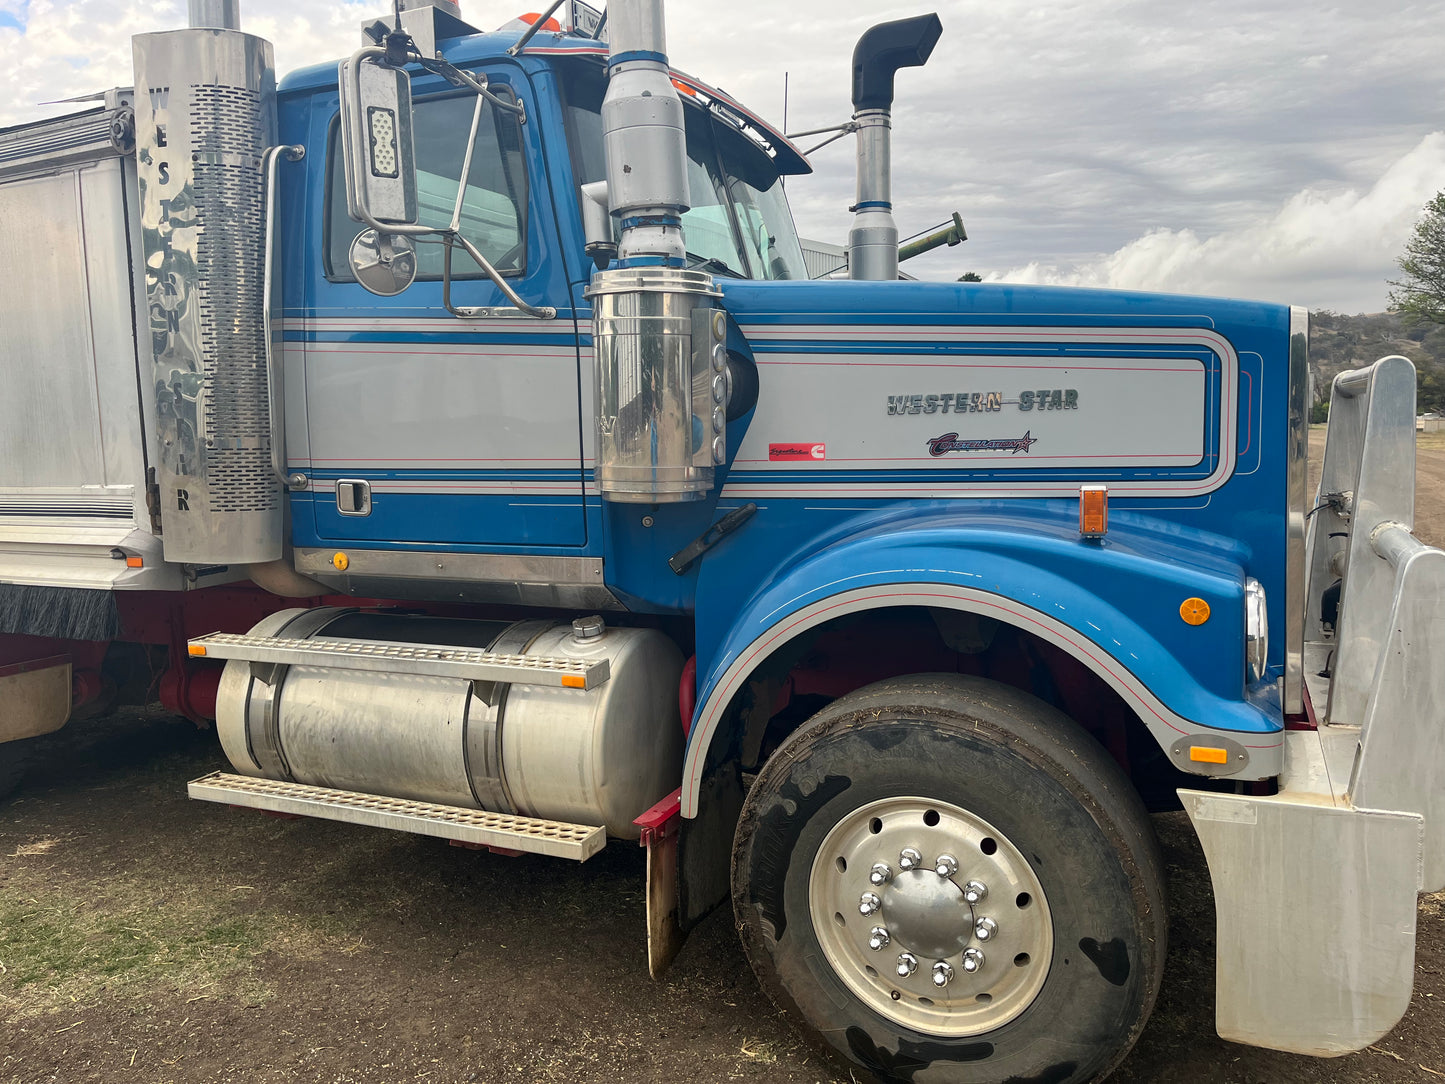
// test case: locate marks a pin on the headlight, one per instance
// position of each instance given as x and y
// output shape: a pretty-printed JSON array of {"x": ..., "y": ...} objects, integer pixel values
[{"x": 1256, "y": 629}]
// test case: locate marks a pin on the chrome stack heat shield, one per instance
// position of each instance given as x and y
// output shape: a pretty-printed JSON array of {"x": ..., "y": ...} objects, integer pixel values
[
  {"x": 205, "y": 113},
  {"x": 662, "y": 383}
]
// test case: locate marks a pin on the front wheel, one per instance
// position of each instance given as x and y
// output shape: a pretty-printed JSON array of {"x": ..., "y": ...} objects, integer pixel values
[{"x": 943, "y": 879}]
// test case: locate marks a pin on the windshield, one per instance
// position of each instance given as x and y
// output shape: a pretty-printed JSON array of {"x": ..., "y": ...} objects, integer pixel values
[{"x": 739, "y": 222}]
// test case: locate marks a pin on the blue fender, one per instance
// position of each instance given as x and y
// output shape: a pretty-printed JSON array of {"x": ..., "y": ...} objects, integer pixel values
[{"x": 1114, "y": 605}]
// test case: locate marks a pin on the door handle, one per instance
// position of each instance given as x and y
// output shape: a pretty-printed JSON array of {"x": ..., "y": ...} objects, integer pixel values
[{"x": 353, "y": 497}]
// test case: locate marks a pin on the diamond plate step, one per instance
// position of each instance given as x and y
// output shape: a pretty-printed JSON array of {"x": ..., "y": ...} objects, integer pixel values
[
  {"x": 433, "y": 660},
  {"x": 555, "y": 838}
]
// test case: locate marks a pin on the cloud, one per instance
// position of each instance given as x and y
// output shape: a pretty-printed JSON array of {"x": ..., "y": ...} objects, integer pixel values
[
  {"x": 1061, "y": 130},
  {"x": 1325, "y": 250}
]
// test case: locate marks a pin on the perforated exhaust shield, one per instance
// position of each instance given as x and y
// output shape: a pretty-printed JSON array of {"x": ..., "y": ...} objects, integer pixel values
[{"x": 205, "y": 112}]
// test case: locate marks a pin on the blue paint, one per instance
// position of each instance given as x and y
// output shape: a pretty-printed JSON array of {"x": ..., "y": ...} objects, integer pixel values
[{"x": 1120, "y": 597}]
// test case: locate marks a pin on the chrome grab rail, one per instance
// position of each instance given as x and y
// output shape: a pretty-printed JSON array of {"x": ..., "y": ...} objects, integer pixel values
[{"x": 275, "y": 379}]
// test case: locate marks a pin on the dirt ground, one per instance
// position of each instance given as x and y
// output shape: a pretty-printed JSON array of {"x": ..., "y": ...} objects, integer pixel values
[{"x": 150, "y": 938}]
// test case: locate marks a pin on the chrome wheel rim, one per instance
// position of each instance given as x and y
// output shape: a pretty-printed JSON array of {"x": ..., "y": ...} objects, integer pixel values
[{"x": 892, "y": 898}]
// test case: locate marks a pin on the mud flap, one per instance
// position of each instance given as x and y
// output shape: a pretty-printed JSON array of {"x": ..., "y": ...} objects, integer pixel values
[
  {"x": 1315, "y": 918},
  {"x": 659, "y": 835},
  {"x": 35, "y": 695}
]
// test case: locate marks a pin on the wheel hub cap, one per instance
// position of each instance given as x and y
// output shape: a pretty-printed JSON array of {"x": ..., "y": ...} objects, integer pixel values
[
  {"x": 926, "y": 914},
  {"x": 931, "y": 916}
]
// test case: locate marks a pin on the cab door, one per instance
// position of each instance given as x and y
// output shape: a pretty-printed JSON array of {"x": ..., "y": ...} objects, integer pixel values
[{"x": 423, "y": 428}]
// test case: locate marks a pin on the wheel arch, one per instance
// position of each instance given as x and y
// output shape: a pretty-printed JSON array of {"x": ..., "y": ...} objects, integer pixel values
[{"x": 765, "y": 628}]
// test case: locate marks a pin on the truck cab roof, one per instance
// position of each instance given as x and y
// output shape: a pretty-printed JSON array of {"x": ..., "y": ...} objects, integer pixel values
[{"x": 546, "y": 47}]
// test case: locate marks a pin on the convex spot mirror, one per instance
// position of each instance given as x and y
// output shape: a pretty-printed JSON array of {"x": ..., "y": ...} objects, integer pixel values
[
  {"x": 377, "y": 145},
  {"x": 384, "y": 263}
]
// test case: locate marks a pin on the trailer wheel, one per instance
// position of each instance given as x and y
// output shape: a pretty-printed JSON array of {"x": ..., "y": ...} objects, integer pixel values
[{"x": 940, "y": 878}]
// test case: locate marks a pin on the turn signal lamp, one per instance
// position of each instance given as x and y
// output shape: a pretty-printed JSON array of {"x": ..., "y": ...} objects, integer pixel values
[
  {"x": 1093, "y": 511},
  {"x": 135, "y": 562},
  {"x": 1205, "y": 754}
]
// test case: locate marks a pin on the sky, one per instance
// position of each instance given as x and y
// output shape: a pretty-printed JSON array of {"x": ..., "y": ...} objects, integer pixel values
[{"x": 1251, "y": 148}]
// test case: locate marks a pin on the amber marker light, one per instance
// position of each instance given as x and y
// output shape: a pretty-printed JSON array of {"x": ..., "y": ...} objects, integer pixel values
[
  {"x": 1194, "y": 611},
  {"x": 196, "y": 649},
  {"x": 340, "y": 562},
  {"x": 574, "y": 681},
  {"x": 135, "y": 562},
  {"x": 1093, "y": 511},
  {"x": 1204, "y": 754}
]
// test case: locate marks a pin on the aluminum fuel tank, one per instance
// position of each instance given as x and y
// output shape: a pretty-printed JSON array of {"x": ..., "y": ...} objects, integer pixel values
[{"x": 600, "y": 756}]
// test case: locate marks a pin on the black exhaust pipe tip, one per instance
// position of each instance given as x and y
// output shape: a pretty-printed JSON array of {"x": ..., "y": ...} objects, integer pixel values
[{"x": 883, "y": 49}]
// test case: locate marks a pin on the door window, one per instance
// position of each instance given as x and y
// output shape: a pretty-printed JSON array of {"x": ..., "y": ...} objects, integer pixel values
[{"x": 494, "y": 213}]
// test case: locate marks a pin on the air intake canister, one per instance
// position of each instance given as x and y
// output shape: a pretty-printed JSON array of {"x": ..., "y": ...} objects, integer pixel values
[{"x": 662, "y": 383}]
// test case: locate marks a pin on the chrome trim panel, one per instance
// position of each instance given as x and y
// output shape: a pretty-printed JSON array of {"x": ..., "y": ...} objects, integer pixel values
[
  {"x": 1297, "y": 451},
  {"x": 520, "y": 579}
]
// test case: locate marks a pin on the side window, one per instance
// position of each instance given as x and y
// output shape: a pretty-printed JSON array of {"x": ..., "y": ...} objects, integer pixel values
[{"x": 494, "y": 213}]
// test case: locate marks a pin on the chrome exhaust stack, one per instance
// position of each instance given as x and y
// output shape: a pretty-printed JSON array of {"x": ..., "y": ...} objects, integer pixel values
[
  {"x": 880, "y": 52},
  {"x": 205, "y": 115},
  {"x": 215, "y": 14},
  {"x": 658, "y": 335}
]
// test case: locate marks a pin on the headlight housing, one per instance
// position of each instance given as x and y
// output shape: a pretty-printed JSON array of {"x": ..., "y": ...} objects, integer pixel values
[{"x": 1256, "y": 630}]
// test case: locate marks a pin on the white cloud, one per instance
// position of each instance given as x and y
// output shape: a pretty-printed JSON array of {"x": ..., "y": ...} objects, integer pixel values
[
  {"x": 1319, "y": 249},
  {"x": 1061, "y": 130}
]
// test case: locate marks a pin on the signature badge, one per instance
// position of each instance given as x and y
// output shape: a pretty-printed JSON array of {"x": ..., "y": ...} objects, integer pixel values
[
  {"x": 950, "y": 442},
  {"x": 803, "y": 450}
]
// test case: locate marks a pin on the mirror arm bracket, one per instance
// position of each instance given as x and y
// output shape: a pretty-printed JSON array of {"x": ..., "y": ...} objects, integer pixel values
[{"x": 473, "y": 312}]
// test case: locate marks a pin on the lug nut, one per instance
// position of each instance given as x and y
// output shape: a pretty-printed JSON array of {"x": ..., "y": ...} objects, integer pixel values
[
  {"x": 942, "y": 973},
  {"x": 947, "y": 865},
  {"x": 972, "y": 960},
  {"x": 880, "y": 873},
  {"x": 910, "y": 859},
  {"x": 907, "y": 964},
  {"x": 985, "y": 928},
  {"x": 975, "y": 891},
  {"x": 868, "y": 903},
  {"x": 878, "y": 937}
]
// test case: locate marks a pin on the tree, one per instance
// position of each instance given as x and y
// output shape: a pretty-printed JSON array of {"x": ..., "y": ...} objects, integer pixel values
[
  {"x": 1421, "y": 293},
  {"x": 970, "y": 276}
]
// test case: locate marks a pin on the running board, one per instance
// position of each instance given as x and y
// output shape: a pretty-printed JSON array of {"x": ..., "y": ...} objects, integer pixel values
[
  {"x": 477, "y": 826},
  {"x": 432, "y": 660}
]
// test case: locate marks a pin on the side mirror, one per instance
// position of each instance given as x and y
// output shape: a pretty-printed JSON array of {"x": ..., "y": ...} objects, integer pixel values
[
  {"x": 384, "y": 263},
  {"x": 376, "y": 142}
]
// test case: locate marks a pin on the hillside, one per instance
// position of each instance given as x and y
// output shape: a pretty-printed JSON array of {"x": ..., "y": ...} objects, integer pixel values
[{"x": 1339, "y": 342}]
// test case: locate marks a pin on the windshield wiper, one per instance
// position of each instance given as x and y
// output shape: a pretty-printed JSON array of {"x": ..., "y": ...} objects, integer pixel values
[{"x": 711, "y": 263}]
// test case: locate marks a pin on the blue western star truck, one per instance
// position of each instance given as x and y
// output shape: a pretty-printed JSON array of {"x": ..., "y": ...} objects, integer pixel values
[{"x": 457, "y": 427}]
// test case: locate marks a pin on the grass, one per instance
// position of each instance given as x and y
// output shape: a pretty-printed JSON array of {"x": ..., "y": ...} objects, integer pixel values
[{"x": 58, "y": 948}]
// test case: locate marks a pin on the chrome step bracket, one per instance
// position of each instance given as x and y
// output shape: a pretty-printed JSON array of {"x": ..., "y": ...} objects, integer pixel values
[
  {"x": 432, "y": 660},
  {"x": 555, "y": 838}
]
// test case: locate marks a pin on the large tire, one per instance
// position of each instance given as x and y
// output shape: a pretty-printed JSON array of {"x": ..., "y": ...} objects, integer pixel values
[{"x": 1026, "y": 803}]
